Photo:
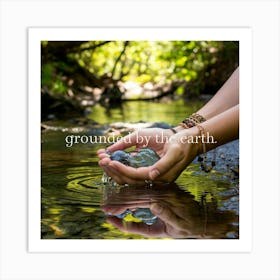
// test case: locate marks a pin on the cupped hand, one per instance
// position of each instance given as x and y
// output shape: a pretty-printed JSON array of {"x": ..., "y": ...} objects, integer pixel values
[
  {"x": 172, "y": 222},
  {"x": 179, "y": 214},
  {"x": 174, "y": 150},
  {"x": 177, "y": 211}
]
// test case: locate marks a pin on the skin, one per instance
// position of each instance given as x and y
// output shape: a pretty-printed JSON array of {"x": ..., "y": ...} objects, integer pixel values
[
  {"x": 226, "y": 97},
  {"x": 180, "y": 216},
  {"x": 171, "y": 223},
  {"x": 222, "y": 112}
]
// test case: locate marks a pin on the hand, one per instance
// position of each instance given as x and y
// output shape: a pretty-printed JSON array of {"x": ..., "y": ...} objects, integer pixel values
[
  {"x": 174, "y": 151},
  {"x": 177, "y": 211},
  {"x": 170, "y": 223},
  {"x": 179, "y": 214}
]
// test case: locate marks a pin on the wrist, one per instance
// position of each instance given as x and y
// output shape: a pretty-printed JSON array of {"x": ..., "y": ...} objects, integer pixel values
[{"x": 190, "y": 138}]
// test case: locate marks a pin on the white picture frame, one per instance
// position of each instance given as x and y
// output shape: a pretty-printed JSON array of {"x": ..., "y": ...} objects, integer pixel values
[{"x": 260, "y": 260}]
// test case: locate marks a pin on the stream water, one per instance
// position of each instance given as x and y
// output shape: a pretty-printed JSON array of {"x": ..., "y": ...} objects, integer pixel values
[{"x": 77, "y": 205}]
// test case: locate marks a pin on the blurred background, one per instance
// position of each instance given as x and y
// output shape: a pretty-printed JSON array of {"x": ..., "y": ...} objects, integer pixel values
[{"x": 78, "y": 75}]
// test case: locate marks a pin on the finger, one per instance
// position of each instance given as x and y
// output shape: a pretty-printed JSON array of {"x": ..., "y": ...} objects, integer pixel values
[
  {"x": 137, "y": 228},
  {"x": 138, "y": 174},
  {"x": 100, "y": 151},
  {"x": 125, "y": 142},
  {"x": 166, "y": 163},
  {"x": 113, "y": 210},
  {"x": 172, "y": 174},
  {"x": 104, "y": 162},
  {"x": 116, "y": 222},
  {"x": 116, "y": 209},
  {"x": 120, "y": 178},
  {"x": 115, "y": 176},
  {"x": 166, "y": 215},
  {"x": 103, "y": 155}
]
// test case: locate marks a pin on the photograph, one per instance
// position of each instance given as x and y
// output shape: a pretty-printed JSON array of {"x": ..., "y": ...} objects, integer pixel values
[{"x": 139, "y": 139}]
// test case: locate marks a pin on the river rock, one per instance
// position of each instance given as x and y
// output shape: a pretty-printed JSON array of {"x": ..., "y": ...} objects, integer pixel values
[{"x": 141, "y": 158}]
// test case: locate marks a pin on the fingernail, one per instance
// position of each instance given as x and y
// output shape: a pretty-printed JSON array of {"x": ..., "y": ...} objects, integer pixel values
[{"x": 153, "y": 174}]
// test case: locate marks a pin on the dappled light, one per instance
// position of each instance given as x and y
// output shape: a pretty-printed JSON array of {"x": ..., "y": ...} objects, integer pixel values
[{"x": 109, "y": 72}]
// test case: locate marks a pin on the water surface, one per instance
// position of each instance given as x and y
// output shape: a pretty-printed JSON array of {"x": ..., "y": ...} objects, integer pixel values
[{"x": 76, "y": 205}]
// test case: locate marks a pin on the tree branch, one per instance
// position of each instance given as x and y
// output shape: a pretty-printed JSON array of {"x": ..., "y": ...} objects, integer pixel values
[
  {"x": 125, "y": 44},
  {"x": 95, "y": 46}
]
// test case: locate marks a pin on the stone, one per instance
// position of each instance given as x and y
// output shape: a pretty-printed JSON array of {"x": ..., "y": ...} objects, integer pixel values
[{"x": 141, "y": 158}]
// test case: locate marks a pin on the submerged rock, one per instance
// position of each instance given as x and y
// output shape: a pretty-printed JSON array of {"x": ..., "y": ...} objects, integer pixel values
[{"x": 143, "y": 214}]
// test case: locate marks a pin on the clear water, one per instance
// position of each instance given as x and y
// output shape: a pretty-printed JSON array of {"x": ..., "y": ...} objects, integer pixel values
[{"x": 199, "y": 205}]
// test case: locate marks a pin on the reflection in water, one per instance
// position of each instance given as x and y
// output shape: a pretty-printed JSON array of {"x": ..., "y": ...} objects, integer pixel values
[
  {"x": 169, "y": 112},
  {"x": 178, "y": 214},
  {"x": 145, "y": 215}
]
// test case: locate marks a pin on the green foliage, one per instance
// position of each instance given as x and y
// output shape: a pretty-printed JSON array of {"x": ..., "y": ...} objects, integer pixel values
[
  {"x": 154, "y": 61},
  {"x": 198, "y": 66},
  {"x": 53, "y": 80}
]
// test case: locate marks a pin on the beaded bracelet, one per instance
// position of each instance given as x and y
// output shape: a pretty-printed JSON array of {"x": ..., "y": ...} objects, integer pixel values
[
  {"x": 192, "y": 120},
  {"x": 195, "y": 120},
  {"x": 203, "y": 159},
  {"x": 198, "y": 118}
]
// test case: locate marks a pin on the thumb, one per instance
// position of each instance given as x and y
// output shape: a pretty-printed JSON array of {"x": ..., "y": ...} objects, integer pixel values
[
  {"x": 165, "y": 163},
  {"x": 154, "y": 173},
  {"x": 126, "y": 142},
  {"x": 164, "y": 213}
]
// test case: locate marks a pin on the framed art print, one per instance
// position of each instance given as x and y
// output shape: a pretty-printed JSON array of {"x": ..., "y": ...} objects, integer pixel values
[
  {"x": 92, "y": 87},
  {"x": 139, "y": 139}
]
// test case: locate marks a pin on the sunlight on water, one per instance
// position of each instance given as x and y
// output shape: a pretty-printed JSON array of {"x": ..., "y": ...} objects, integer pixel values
[{"x": 171, "y": 112}]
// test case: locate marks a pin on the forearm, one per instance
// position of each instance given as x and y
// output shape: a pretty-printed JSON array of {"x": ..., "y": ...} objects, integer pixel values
[
  {"x": 223, "y": 127},
  {"x": 225, "y": 98},
  {"x": 218, "y": 130}
]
